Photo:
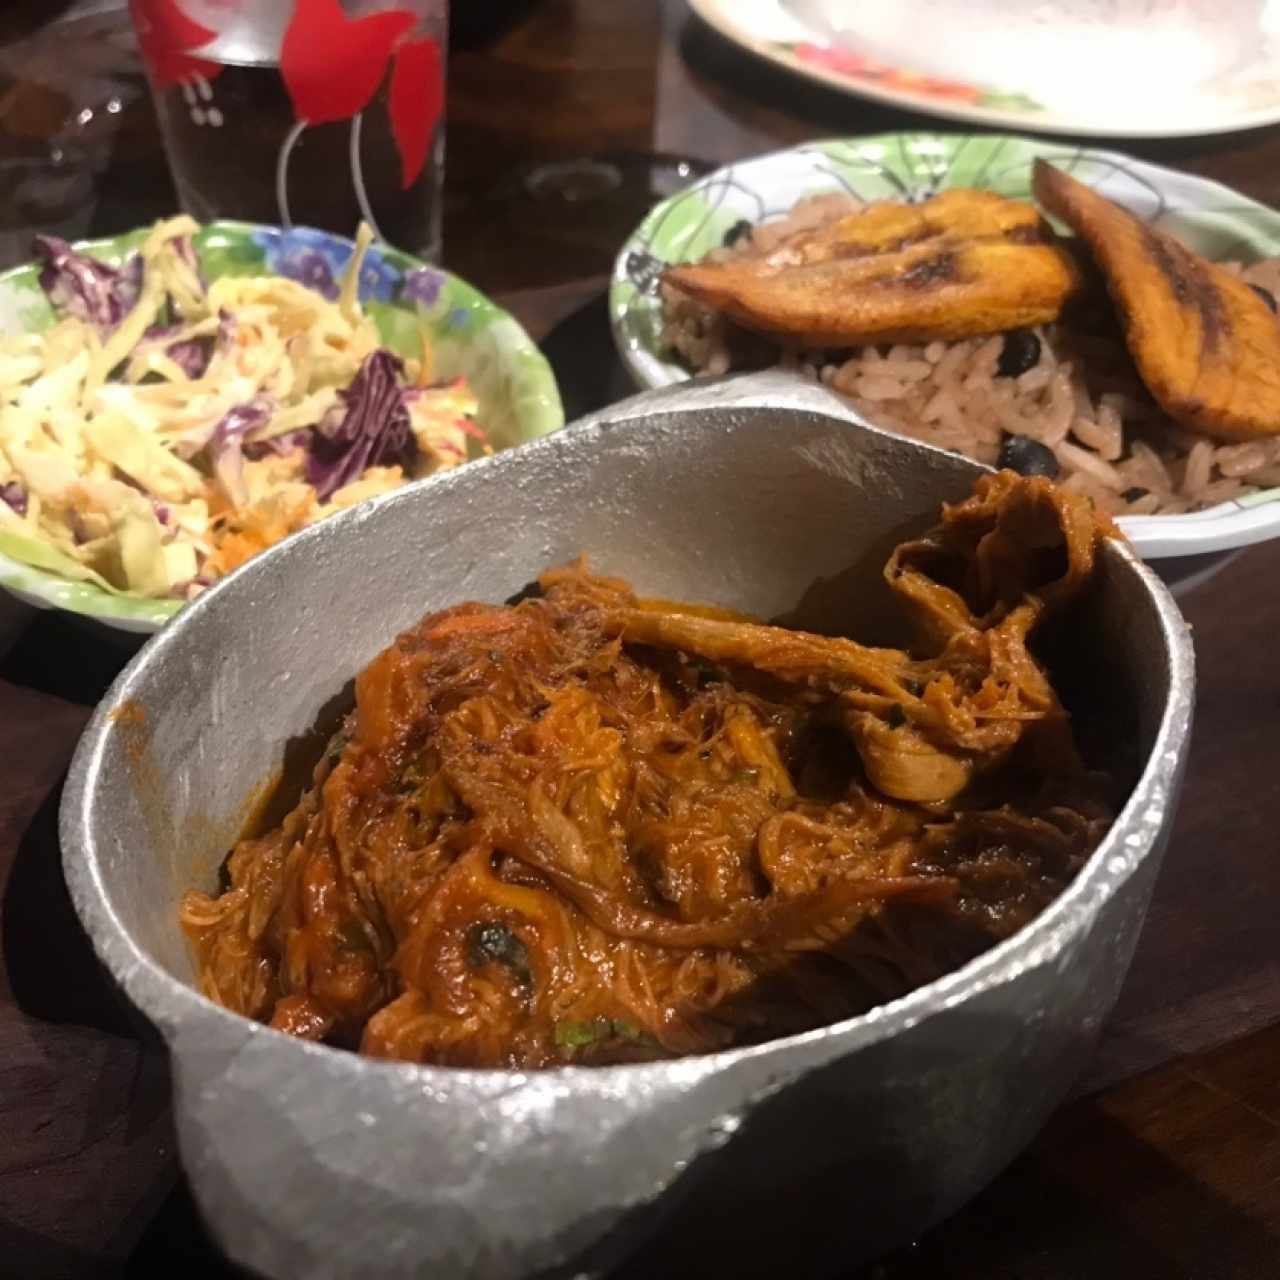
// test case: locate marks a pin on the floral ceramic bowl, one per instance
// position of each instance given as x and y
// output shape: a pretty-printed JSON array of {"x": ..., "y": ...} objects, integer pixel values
[
  {"x": 517, "y": 391},
  {"x": 1218, "y": 222}
]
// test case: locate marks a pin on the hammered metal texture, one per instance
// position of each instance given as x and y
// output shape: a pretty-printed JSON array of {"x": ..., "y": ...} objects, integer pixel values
[{"x": 762, "y": 494}]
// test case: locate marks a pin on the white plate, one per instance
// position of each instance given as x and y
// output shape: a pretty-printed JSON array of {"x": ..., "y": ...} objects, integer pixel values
[
  {"x": 1246, "y": 97},
  {"x": 1217, "y": 221}
]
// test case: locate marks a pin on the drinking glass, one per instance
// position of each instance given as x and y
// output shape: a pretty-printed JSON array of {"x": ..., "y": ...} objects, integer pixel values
[{"x": 315, "y": 113}]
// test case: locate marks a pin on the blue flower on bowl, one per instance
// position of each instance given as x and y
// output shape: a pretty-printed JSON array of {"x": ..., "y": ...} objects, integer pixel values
[
  {"x": 312, "y": 269},
  {"x": 279, "y": 245},
  {"x": 379, "y": 279},
  {"x": 423, "y": 286},
  {"x": 317, "y": 259}
]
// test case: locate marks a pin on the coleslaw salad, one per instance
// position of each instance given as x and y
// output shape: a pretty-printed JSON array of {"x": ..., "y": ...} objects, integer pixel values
[{"x": 166, "y": 428}]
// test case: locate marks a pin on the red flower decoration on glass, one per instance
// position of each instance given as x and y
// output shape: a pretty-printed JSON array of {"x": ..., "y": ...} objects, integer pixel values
[
  {"x": 167, "y": 38},
  {"x": 416, "y": 104},
  {"x": 333, "y": 65}
]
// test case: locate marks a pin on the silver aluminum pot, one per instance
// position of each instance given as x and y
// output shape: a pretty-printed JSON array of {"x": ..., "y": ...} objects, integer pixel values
[{"x": 759, "y": 493}]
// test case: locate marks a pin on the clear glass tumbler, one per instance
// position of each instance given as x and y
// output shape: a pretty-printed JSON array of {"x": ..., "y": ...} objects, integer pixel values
[{"x": 303, "y": 112}]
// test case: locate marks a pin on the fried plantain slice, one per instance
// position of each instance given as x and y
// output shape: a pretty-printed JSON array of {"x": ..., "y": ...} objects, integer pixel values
[
  {"x": 940, "y": 288},
  {"x": 888, "y": 226},
  {"x": 961, "y": 264},
  {"x": 1206, "y": 346}
]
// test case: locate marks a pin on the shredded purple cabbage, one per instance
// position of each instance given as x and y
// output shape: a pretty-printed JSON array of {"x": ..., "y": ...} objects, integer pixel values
[
  {"x": 370, "y": 428},
  {"x": 225, "y": 447},
  {"x": 13, "y": 495},
  {"x": 163, "y": 514},
  {"x": 185, "y": 248},
  {"x": 158, "y": 333},
  {"x": 277, "y": 446},
  {"x": 192, "y": 355},
  {"x": 79, "y": 285}
]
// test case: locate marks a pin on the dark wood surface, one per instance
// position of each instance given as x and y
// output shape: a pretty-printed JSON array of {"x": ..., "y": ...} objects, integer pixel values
[{"x": 1164, "y": 1166}]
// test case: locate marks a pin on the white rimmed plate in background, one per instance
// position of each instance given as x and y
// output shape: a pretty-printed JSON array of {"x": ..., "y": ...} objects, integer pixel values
[{"x": 1212, "y": 67}]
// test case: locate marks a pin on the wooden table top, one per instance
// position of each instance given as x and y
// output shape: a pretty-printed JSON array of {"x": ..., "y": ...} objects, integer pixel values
[{"x": 1166, "y": 1163}]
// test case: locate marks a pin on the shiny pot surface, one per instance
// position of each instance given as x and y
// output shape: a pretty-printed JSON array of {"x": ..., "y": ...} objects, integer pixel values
[{"x": 762, "y": 494}]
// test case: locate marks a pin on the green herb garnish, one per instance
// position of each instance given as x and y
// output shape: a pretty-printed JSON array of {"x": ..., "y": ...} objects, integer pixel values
[
  {"x": 492, "y": 943},
  {"x": 571, "y": 1035},
  {"x": 746, "y": 775},
  {"x": 578, "y": 1035},
  {"x": 896, "y": 717}
]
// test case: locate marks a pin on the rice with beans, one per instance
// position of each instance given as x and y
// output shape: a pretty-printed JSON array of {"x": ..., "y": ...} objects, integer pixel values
[{"x": 1068, "y": 402}]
